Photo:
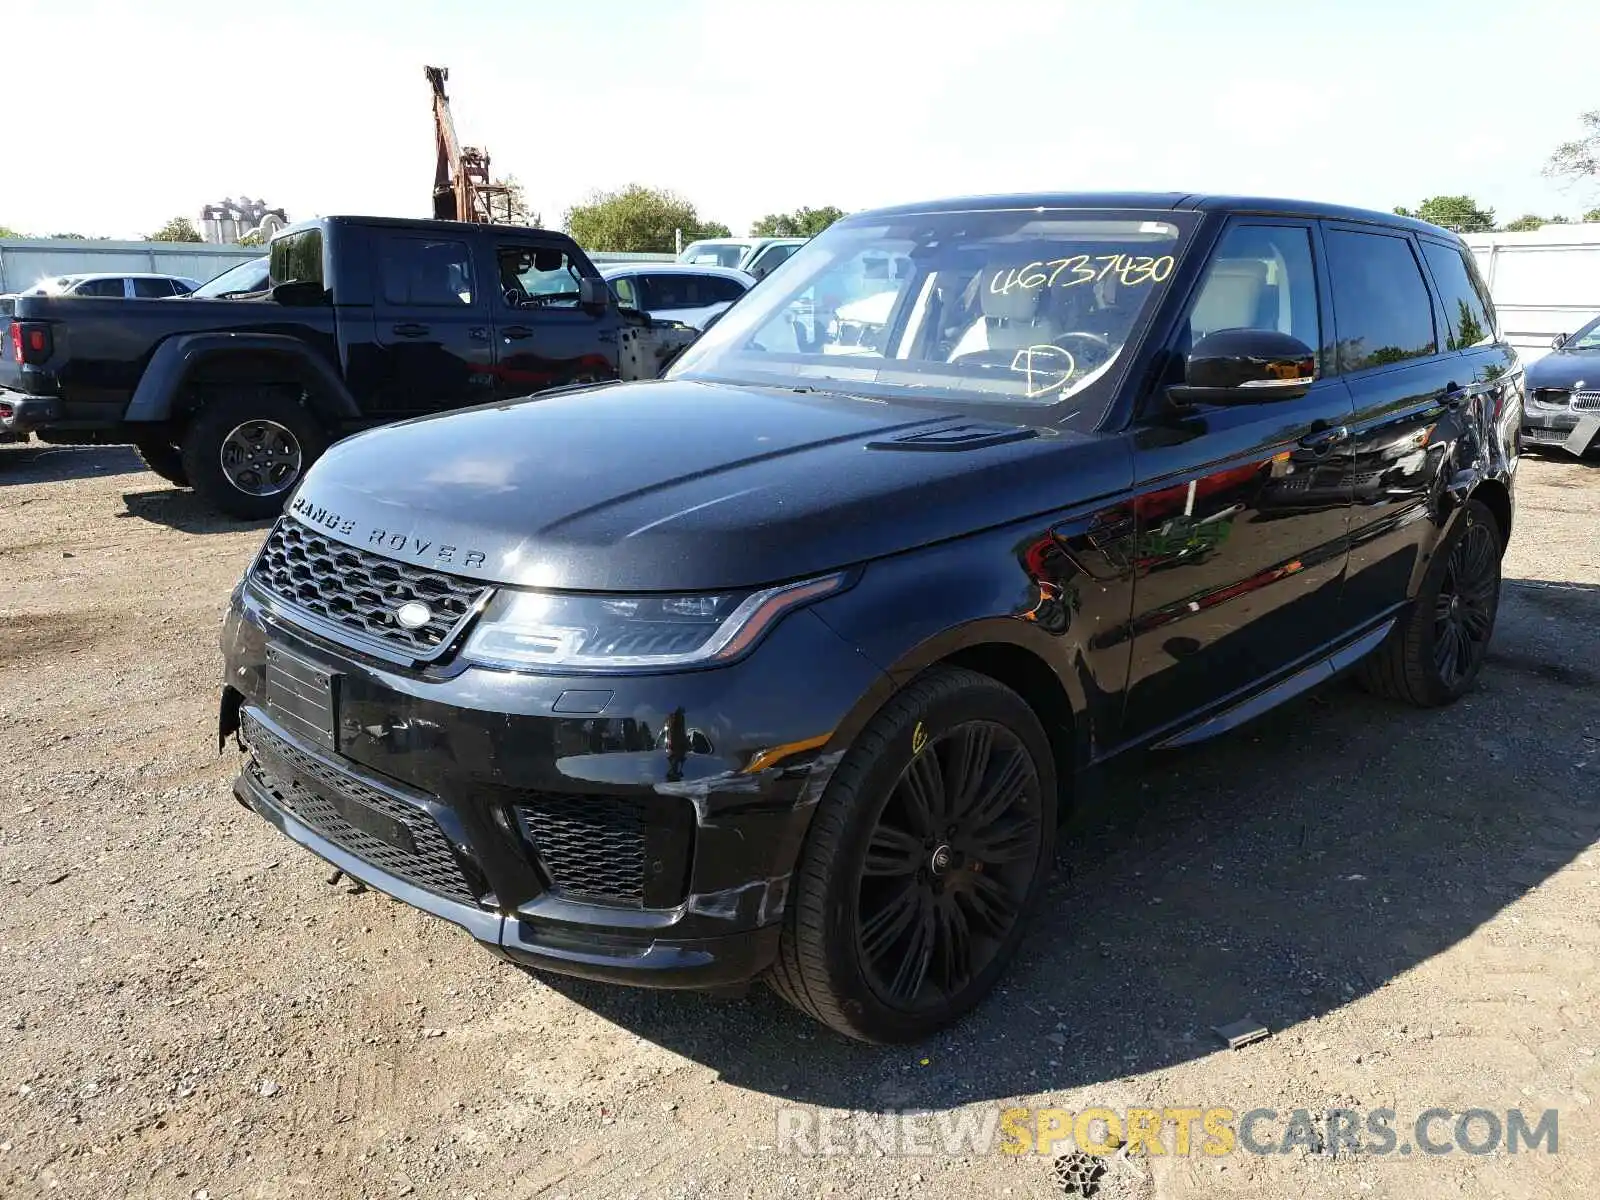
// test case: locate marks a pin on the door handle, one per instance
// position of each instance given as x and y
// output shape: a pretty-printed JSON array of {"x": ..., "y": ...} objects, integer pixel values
[
  {"x": 410, "y": 329},
  {"x": 478, "y": 333},
  {"x": 1324, "y": 440},
  {"x": 515, "y": 333}
]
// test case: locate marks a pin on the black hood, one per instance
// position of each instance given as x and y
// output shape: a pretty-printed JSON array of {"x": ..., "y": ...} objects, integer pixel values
[
  {"x": 1564, "y": 369},
  {"x": 676, "y": 485}
]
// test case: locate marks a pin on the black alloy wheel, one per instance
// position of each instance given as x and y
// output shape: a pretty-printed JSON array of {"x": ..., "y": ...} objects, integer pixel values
[
  {"x": 1464, "y": 608},
  {"x": 928, "y": 849},
  {"x": 949, "y": 865},
  {"x": 1440, "y": 643}
]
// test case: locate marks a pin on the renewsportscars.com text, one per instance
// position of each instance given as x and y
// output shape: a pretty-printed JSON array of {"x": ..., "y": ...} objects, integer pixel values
[{"x": 1210, "y": 1131}]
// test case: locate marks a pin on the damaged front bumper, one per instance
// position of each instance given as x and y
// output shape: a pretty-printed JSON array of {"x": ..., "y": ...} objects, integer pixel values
[
  {"x": 1577, "y": 432},
  {"x": 637, "y": 829}
]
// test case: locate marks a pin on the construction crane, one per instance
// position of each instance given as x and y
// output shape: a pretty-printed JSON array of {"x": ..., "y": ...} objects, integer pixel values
[{"x": 461, "y": 187}]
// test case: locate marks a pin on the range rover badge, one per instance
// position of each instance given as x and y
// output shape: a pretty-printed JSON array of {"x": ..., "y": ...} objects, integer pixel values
[{"x": 413, "y": 614}]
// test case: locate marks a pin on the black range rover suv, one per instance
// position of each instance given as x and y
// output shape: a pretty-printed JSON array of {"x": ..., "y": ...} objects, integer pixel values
[{"x": 788, "y": 662}]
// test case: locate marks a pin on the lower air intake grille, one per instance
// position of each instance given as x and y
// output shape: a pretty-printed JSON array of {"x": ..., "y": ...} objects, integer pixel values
[
  {"x": 592, "y": 846},
  {"x": 319, "y": 795},
  {"x": 1587, "y": 401}
]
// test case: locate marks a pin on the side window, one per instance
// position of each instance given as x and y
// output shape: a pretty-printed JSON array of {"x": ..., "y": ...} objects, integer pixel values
[
  {"x": 100, "y": 287},
  {"x": 772, "y": 257},
  {"x": 622, "y": 286},
  {"x": 537, "y": 277},
  {"x": 152, "y": 288},
  {"x": 668, "y": 291},
  {"x": 424, "y": 272},
  {"x": 1464, "y": 312},
  {"x": 1261, "y": 277},
  {"x": 714, "y": 289},
  {"x": 1380, "y": 302}
]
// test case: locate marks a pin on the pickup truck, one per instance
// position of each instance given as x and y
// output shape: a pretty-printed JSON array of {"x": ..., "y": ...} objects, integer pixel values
[{"x": 369, "y": 320}]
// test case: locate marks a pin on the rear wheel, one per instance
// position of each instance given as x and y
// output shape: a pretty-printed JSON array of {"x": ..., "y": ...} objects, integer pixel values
[
  {"x": 165, "y": 459},
  {"x": 244, "y": 451},
  {"x": 1435, "y": 653},
  {"x": 927, "y": 852}
]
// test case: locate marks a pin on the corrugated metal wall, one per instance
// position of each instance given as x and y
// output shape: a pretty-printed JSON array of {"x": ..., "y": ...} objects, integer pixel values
[
  {"x": 1544, "y": 282},
  {"x": 26, "y": 260}
]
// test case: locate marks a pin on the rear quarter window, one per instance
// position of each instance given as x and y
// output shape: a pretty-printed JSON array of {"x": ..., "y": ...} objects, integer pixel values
[{"x": 1466, "y": 315}]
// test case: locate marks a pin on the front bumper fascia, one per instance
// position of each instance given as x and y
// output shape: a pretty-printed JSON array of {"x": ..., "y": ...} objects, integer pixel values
[{"x": 464, "y": 736}]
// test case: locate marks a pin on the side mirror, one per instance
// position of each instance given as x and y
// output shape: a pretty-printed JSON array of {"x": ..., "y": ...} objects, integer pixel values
[
  {"x": 593, "y": 294},
  {"x": 1246, "y": 366},
  {"x": 1558, "y": 341},
  {"x": 299, "y": 292}
]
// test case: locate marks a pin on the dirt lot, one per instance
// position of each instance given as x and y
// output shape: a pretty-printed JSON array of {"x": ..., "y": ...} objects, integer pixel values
[{"x": 187, "y": 1009}]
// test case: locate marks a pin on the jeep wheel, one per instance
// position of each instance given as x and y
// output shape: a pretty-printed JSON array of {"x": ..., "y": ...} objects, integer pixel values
[
  {"x": 245, "y": 451},
  {"x": 926, "y": 853},
  {"x": 165, "y": 459},
  {"x": 1436, "y": 651}
]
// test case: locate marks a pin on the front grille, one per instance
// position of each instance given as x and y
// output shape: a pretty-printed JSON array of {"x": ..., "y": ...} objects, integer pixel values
[
  {"x": 358, "y": 592},
  {"x": 592, "y": 846},
  {"x": 1586, "y": 400},
  {"x": 302, "y": 784}
]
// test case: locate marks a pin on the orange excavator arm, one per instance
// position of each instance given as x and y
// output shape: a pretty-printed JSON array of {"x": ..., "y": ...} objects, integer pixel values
[{"x": 447, "y": 181}]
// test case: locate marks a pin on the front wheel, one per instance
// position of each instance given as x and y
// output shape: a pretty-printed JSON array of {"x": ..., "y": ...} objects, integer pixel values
[
  {"x": 927, "y": 851},
  {"x": 244, "y": 451},
  {"x": 1436, "y": 651}
]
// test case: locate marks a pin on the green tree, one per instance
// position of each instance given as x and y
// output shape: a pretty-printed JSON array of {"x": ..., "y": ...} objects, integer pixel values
[
  {"x": 636, "y": 219},
  {"x": 6, "y": 232},
  {"x": 802, "y": 222},
  {"x": 712, "y": 229},
  {"x": 254, "y": 238},
  {"x": 1460, "y": 213},
  {"x": 1523, "y": 223},
  {"x": 1592, "y": 215},
  {"x": 179, "y": 229}
]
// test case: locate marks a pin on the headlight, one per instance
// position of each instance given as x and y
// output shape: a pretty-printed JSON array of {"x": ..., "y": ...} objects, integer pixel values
[{"x": 523, "y": 629}]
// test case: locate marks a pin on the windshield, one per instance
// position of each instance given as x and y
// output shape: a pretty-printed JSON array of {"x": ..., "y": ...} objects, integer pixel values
[
  {"x": 246, "y": 277},
  {"x": 1031, "y": 307},
  {"x": 1587, "y": 338},
  {"x": 715, "y": 254}
]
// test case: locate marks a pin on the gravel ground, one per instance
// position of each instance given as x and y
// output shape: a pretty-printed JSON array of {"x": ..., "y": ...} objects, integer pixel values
[{"x": 187, "y": 1009}]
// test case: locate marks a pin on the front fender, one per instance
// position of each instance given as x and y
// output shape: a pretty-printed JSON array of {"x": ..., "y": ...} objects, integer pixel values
[
  {"x": 175, "y": 361},
  {"x": 1042, "y": 589}
]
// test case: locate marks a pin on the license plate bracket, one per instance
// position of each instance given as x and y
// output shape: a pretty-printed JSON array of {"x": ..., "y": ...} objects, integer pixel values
[
  {"x": 372, "y": 822},
  {"x": 301, "y": 696}
]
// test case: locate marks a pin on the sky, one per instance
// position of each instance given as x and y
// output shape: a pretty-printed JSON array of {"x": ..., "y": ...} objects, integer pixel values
[{"x": 121, "y": 115}]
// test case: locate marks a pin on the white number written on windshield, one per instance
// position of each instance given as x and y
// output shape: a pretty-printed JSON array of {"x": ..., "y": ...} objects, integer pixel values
[{"x": 1130, "y": 269}]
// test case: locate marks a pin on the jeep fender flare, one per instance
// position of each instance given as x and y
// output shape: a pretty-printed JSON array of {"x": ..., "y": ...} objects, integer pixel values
[{"x": 177, "y": 360}]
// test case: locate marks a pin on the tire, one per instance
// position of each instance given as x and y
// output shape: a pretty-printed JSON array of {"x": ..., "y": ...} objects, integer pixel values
[
  {"x": 836, "y": 910},
  {"x": 165, "y": 459},
  {"x": 237, "y": 424},
  {"x": 1433, "y": 656}
]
